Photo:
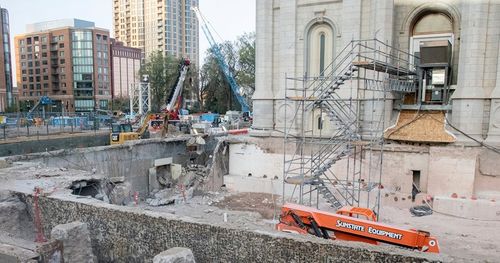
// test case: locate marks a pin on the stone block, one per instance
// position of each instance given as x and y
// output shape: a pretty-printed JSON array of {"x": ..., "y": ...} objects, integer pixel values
[
  {"x": 153, "y": 181},
  {"x": 175, "y": 170},
  {"x": 75, "y": 237},
  {"x": 175, "y": 255},
  {"x": 121, "y": 194},
  {"x": 480, "y": 209},
  {"x": 162, "y": 162}
]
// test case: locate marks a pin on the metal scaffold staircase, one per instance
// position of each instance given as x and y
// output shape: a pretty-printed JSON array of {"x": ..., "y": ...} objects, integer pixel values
[{"x": 362, "y": 73}]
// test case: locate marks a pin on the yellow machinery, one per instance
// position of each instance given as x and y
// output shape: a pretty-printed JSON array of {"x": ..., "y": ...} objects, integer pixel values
[
  {"x": 121, "y": 133},
  {"x": 124, "y": 132}
]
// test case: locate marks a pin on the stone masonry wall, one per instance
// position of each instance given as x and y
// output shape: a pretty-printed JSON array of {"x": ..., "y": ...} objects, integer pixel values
[{"x": 122, "y": 234}]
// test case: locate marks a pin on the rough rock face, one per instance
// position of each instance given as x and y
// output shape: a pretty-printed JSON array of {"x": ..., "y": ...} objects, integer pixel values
[
  {"x": 75, "y": 237},
  {"x": 121, "y": 194},
  {"x": 14, "y": 218},
  {"x": 175, "y": 255}
]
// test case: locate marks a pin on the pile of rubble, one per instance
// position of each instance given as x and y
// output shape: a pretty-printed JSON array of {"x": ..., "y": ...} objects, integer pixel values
[{"x": 178, "y": 189}]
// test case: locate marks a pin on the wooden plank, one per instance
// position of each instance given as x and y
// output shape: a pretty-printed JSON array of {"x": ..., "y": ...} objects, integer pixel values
[
  {"x": 383, "y": 67},
  {"x": 420, "y": 126}
]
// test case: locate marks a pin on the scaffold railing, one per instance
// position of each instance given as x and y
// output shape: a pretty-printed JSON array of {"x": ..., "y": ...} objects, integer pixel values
[{"x": 334, "y": 134}]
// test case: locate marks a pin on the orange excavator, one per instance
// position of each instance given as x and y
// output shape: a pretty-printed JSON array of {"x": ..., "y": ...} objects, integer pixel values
[{"x": 352, "y": 224}]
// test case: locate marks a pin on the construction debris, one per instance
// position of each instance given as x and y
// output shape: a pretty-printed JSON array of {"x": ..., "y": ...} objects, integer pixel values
[
  {"x": 75, "y": 237},
  {"x": 175, "y": 255}
]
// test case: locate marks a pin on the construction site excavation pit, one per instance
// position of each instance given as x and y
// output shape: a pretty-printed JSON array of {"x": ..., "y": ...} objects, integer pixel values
[{"x": 141, "y": 198}]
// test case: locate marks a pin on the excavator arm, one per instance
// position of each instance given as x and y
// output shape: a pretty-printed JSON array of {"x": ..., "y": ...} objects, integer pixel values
[{"x": 346, "y": 224}]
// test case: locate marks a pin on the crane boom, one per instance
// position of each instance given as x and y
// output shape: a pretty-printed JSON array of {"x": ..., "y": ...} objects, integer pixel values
[
  {"x": 178, "y": 87},
  {"x": 222, "y": 62},
  {"x": 345, "y": 226}
]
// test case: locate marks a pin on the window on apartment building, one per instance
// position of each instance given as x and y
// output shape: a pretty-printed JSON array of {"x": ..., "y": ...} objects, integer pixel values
[
  {"x": 62, "y": 61},
  {"x": 30, "y": 64},
  {"x": 22, "y": 42},
  {"x": 45, "y": 85},
  {"x": 44, "y": 40},
  {"x": 44, "y": 54},
  {"x": 61, "y": 53},
  {"x": 29, "y": 49},
  {"x": 36, "y": 40},
  {"x": 61, "y": 37},
  {"x": 54, "y": 39},
  {"x": 37, "y": 71},
  {"x": 45, "y": 77},
  {"x": 28, "y": 40},
  {"x": 61, "y": 45},
  {"x": 45, "y": 62}
]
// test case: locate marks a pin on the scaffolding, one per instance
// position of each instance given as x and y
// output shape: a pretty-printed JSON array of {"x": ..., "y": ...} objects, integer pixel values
[
  {"x": 140, "y": 98},
  {"x": 334, "y": 125}
]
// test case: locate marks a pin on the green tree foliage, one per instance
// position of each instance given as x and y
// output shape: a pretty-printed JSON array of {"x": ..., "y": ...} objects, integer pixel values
[
  {"x": 163, "y": 72},
  {"x": 214, "y": 90},
  {"x": 120, "y": 104}
]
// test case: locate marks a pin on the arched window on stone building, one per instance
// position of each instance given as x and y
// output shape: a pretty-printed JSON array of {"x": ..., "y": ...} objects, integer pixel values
[
  {"x": 319, "y": 49},
  {"x": 430, "y": 26}
]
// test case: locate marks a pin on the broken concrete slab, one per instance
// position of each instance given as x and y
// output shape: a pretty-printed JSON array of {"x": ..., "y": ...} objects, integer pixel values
[
  {"x": 14, "y": 254},
  {"x": 163, "y": 161},
  {"x": 14, "y": 218},
  {"x": 121, "y": 194},
  {"x": 75, "y": 237},
  {"x": 175, "y": 171},
  {"x": 175, "y": 255},
  {"x": 152, "y": 180}
]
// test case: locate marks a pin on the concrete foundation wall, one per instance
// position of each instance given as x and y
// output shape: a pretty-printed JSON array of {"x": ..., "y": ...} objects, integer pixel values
[
  {"x": 131, "y": 160},
  {"x": 120, "y": 234},
  {"x": 444, "y": 170},
  {"x": 35, "y": 146}
]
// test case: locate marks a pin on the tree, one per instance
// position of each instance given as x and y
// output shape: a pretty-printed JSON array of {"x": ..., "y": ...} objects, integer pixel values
[
  {"x": 163, "y": 72},
  {"x": 121, "y": 104},
  {"x": 214, "y": 90},
  {"x": 245, "y": 73}
]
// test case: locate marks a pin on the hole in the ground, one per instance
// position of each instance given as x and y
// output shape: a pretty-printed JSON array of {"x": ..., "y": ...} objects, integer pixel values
[{"x": 86, "y": 187}]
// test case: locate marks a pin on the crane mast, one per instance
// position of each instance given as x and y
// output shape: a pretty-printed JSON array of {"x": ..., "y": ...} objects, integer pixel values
[{"x": 222, "y": 62}]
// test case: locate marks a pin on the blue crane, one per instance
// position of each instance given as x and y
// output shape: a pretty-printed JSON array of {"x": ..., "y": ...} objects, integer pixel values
[{"x": 222, "y": 62}]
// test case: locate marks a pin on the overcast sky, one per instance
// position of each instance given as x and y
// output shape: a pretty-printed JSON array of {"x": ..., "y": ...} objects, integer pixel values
[{"x": 230, "y": 18}]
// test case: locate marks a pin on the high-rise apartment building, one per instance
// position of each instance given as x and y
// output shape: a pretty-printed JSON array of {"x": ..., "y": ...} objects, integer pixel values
[
  {"x": 6, "y": 92},
  {"x": 166, "y": 25},
  {"x": 66, "y": 60},
  {"x": 125, "y": 66}
]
